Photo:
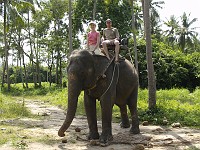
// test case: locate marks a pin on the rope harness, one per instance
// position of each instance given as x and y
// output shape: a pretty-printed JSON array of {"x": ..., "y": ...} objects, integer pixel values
[
  {"x": 102, "y": 75},
  {"x": 112, "y": 79}
]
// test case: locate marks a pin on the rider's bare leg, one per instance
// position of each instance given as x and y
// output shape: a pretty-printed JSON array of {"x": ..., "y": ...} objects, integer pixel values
[
  {"x": 104, "y": 43},
  {"x": 116, "y": 42}
]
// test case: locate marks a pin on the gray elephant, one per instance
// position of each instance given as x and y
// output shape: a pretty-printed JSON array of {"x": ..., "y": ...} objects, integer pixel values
[{"x": 109, "y": 83}]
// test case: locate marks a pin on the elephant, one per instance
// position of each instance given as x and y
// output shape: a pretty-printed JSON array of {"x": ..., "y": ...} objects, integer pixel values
[{"x": 104, "y": 80}]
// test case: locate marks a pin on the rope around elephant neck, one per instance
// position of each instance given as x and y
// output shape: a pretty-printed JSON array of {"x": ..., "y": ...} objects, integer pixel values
[{"x": 111, "y": 79}]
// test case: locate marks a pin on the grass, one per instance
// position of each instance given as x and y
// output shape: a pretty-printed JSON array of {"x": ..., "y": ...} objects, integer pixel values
[
  {"x": 19, "y": 138},
  {"x": 18, "y": 90},
  {"x": 9, "y": 108},
  {"x": 176, "y": 105},
  {"x": 8, "y": 134}
]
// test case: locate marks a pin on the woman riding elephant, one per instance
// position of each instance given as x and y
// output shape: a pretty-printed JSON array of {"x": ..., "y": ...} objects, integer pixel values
[{"x": 119, "y": 86}]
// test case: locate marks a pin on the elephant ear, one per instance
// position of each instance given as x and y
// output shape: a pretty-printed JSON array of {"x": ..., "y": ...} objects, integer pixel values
[{"x": 100, "y": 64}]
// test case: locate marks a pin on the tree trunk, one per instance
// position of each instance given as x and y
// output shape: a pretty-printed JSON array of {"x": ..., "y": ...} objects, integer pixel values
[
  {"x": 57, "y": 65},
  {"x": 31, "y": 48},
  {"x": 134, "y": 37},
  {"x": 33, "y": 67},
  {"x": 94, "y": 10},
  {"x": 38, "y": 73},
  {"x": 21, "y": 72},
  {"x": 50, "y": 75},
  {"x": 50, "y": 69},
  {"x": 70, "y": 27},
  {"x": 25, "y": 73},
  {"x": 3, "y": 74},
  {"x": 38, "y": 65},
  {"x": 150, "y": 68},
  {"x": 20, "y": 56},
  {"x": 60, "y": 72},
  {"x": 6, "y": 45}
]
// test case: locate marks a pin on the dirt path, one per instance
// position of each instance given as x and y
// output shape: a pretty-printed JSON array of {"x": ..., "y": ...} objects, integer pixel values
[{"x": 44, "y": 133}]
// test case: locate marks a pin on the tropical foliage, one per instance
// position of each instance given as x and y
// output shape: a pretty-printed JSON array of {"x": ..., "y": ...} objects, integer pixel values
[{"x": 35, "y": 46}]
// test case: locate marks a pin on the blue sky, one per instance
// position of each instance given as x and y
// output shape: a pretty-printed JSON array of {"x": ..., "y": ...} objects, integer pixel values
[{"x": 178, "y": 7}]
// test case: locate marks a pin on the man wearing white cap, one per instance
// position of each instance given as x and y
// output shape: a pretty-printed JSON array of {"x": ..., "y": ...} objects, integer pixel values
[
  {"x": 111, "y": 37},
  {"x": 93, "y": 39}
]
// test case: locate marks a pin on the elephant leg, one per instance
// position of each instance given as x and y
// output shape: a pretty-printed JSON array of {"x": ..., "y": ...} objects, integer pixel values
[
  {"x": 132, "y": 104},
  {"x": 90, "y": 108},
  {"x": 124, "y": 117},
  {"x": 106, "y": 110}
]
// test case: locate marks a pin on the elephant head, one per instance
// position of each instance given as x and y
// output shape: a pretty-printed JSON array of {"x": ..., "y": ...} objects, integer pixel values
[{"x": 81, "y": 76}]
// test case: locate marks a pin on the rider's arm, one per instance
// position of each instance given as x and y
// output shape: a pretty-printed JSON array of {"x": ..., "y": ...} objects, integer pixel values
[
  {"x": 103, "y": 37},
  {"x": 87, "y": 41},
  {"x": 98, "y": 41},
  {"x": 116, "y": 34}
]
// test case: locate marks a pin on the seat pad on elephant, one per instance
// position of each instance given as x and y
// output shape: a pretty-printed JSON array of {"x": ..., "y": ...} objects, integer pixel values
[{"x": 111, "y": 54}]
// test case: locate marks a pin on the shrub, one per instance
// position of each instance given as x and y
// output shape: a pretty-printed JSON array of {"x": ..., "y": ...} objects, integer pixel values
[{"x": 173, "y": 69}]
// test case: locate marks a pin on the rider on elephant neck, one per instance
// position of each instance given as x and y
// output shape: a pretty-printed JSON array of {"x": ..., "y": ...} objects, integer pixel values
[
  {"x": 111, "y": 37},
  {"x": 93, "y": 38}
]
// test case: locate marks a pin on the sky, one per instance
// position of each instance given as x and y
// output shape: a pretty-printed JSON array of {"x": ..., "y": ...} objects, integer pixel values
[{"x": 178, "y": 7}]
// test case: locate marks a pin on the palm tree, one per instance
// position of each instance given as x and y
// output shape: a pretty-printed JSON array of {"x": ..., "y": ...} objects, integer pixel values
[
  {"x": 94, "y": 10},
  {"x": 29, "y": 36},
  {"x": 154, "y": 5},
  {"x": 155, "y": 17},
  {"x": 6, "y": 47},
  {"x": 172, "y": 25},
  {"x": 150, "y": 68},
  {"x": 186, "y": 33},
  {"x": 70, "y": 26},
  {"x": 132, "y": 3},
  {"x": 11, "y": 9}
]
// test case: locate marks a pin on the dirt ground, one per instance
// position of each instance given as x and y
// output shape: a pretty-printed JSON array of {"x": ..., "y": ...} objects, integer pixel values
[{"x": 151, "y": 137}]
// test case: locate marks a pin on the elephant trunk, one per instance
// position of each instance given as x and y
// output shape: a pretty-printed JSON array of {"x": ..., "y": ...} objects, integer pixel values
[{"x": 73, "y": 93}]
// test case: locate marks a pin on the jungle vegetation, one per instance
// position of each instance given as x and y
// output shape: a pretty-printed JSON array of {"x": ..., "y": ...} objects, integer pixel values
[{"x": 36, "y": 40}]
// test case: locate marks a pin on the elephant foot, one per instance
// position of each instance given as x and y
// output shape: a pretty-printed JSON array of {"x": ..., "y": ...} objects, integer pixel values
[
  {"x": 105, "y": 139},
  {"x": 93, "y": 136},
  {"x": 135, "y": 130},
  {"x": 124, "y": 125}
]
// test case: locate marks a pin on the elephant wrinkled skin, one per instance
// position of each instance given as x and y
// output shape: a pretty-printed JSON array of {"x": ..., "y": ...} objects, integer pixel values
[{"x": 119, "y": 86}]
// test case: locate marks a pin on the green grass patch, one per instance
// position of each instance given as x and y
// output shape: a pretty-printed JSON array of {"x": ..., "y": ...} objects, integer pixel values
[
  {"x": 176, "y": 105},
  {"x": 18, "y": 90},
  {"x": 10, "y": 108},
  {"x": 10, "y": 134}
]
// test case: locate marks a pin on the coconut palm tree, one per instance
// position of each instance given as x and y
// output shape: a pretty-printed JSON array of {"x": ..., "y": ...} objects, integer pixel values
[
  {"x": 150, "y": 68},
  {"x": 153, "y": 7},
  {"x": 155, "y": 17},
  {"x": 33, "y": 2},
  {"x": 11, "y": 9},
  {"x": 172, "y": 25},
  {"x": 132, "y": 3},
  {"x": 5, "y": 47},
  {"x": 186, "y": 33},
  {"x": 70, "y": 26},
  {"x": 94, "y": 10}
]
